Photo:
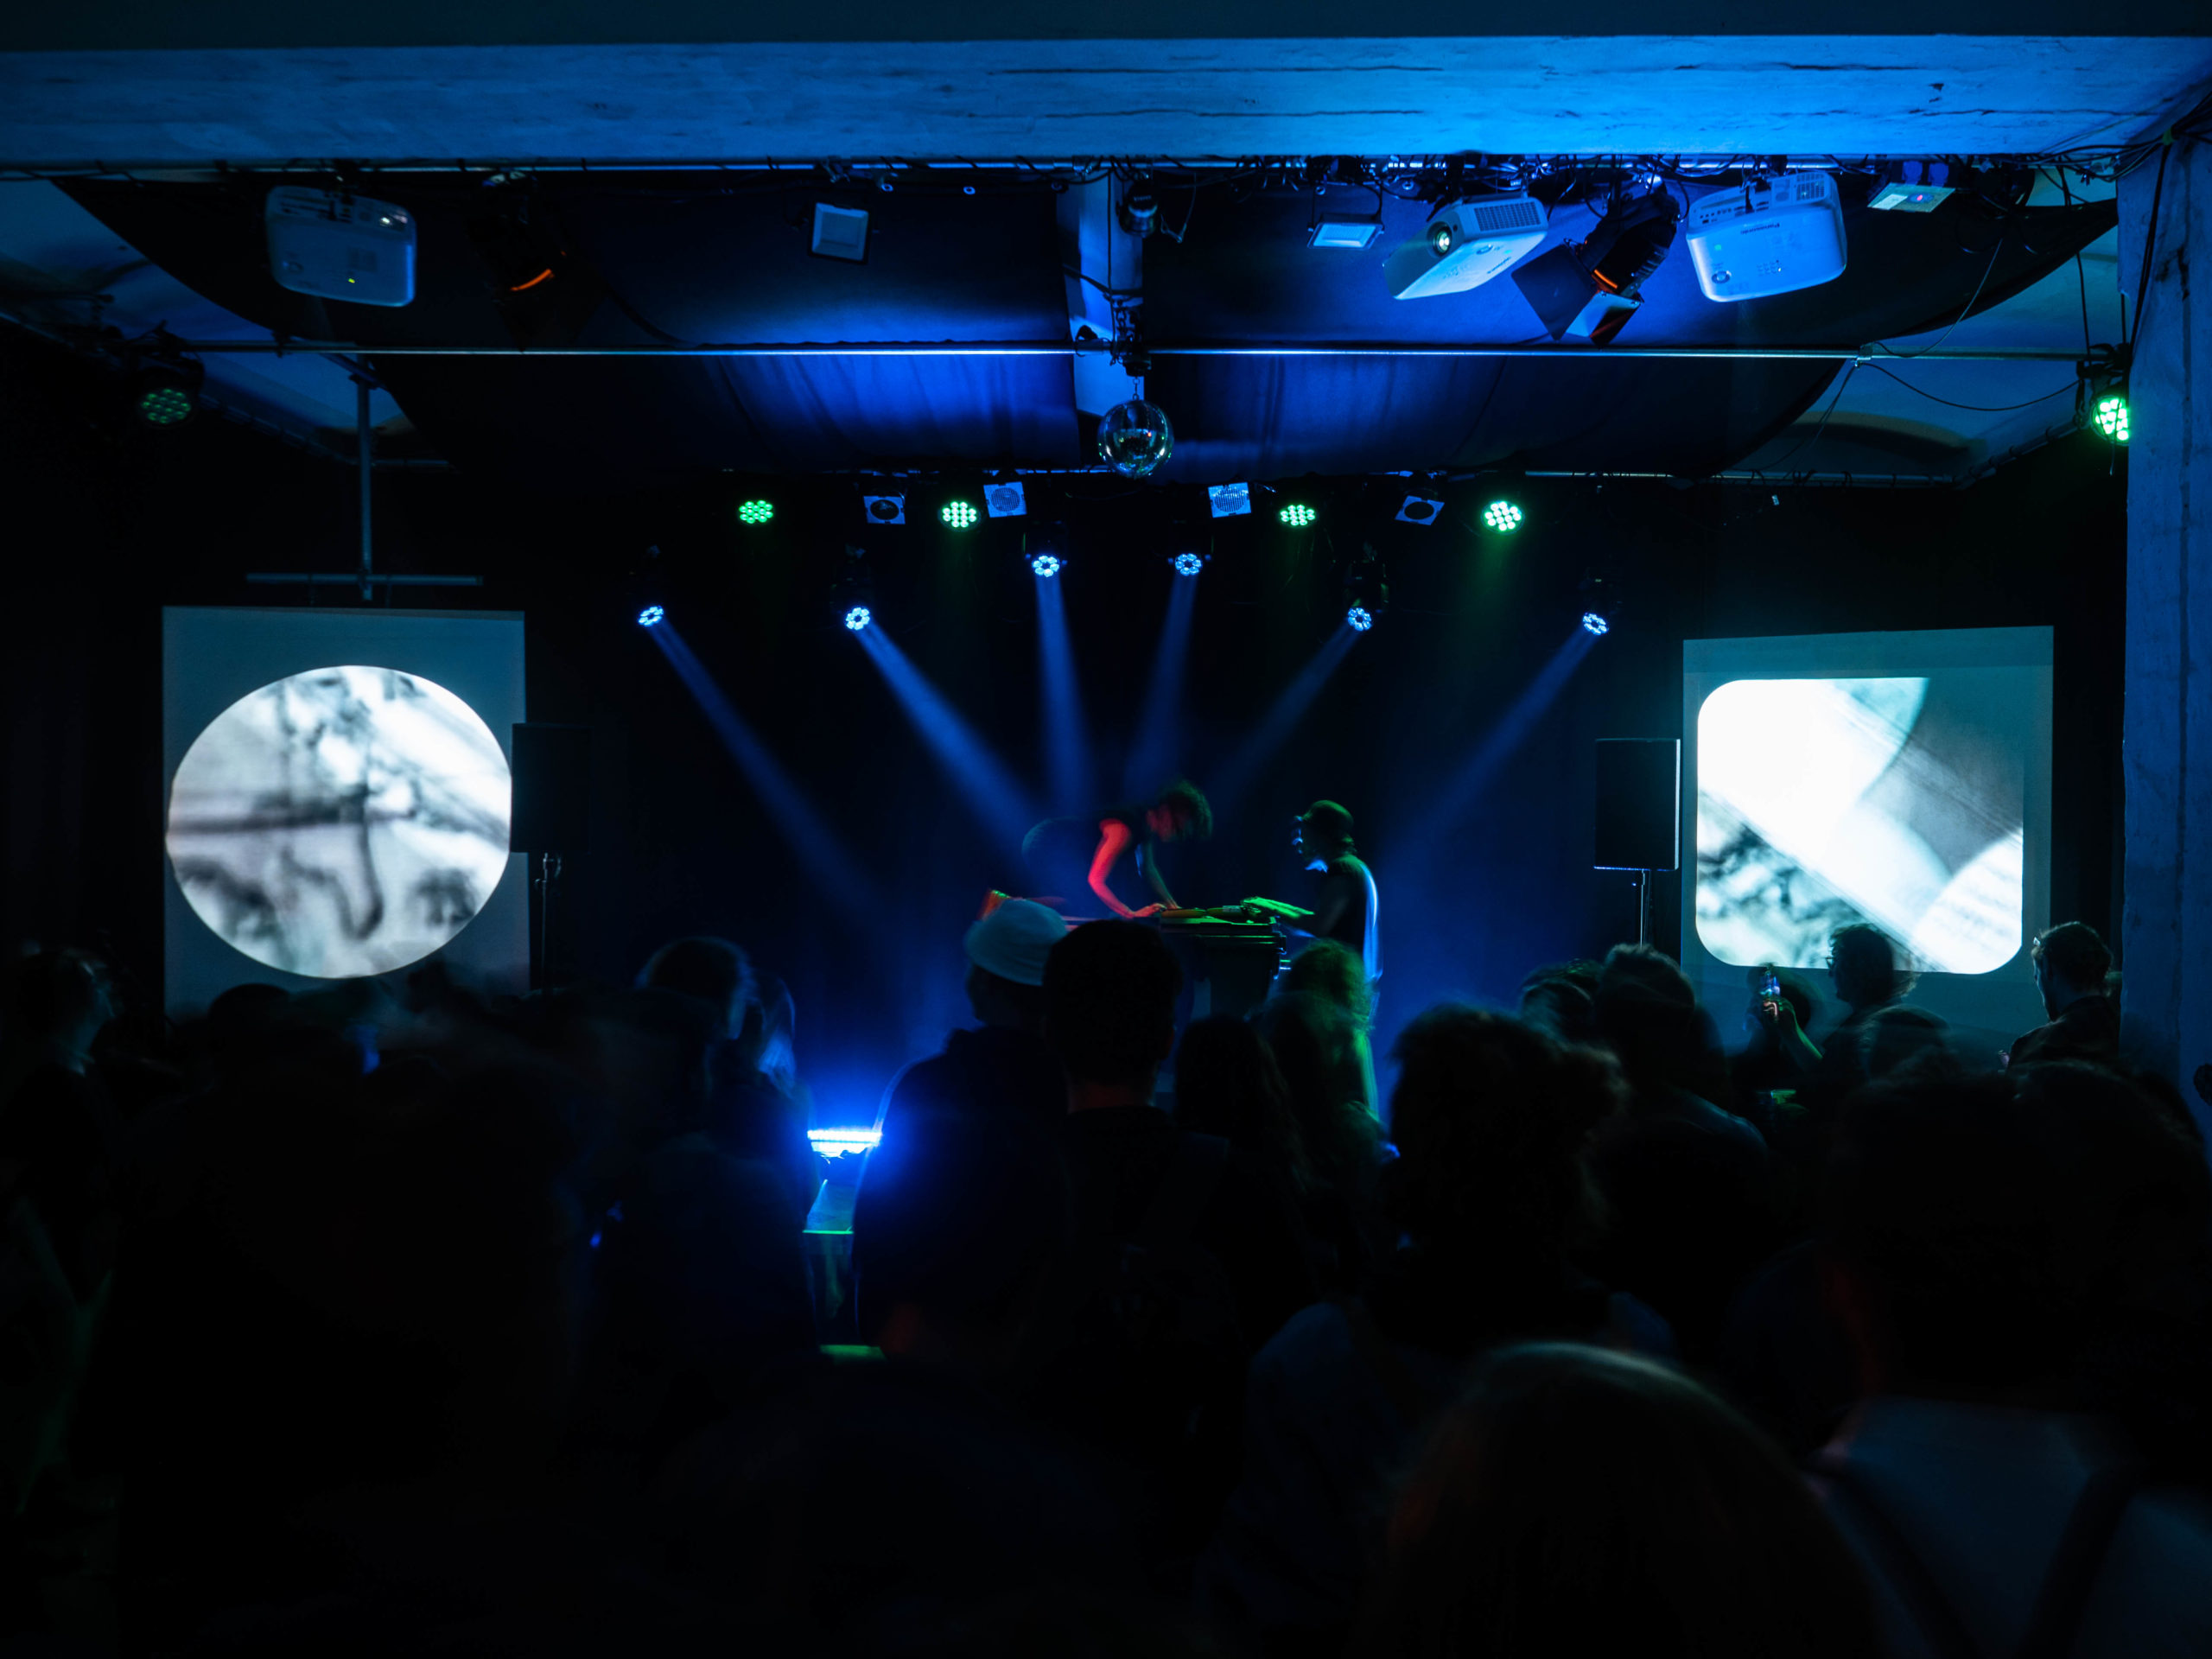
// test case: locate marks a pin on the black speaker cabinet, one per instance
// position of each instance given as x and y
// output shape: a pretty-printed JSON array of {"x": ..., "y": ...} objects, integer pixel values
[
  {"x": 1639, "y": 804},
  {"x": 552, "y": 776}
]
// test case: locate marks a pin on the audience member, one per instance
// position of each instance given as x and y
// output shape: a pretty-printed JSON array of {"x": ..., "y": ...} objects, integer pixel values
[
  {"x": 713, "y": 971},
  {"x": 1562, "y": 1000},
  {"x": 1779, "y": 1055},
  {"x": 1577, "y": 1501},
  {"x": 2007, "y": 1248},
  {"x": 1003, "y": 1068},
  {"x": 1494, "y": 1201},
  {"x": 2071, "y": 967},
  {"x": 1687, "y": 1183},
  {"x": 1187, "y": 1258},
  {"x": 1320, "y": 1054},
  {"x": 1335, "y": 974},
  {"x": 1227, "y": 1083},
  {"x": 1870, "y": 972}
]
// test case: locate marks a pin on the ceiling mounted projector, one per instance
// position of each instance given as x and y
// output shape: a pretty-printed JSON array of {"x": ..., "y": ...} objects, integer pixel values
[
  {"x": 340, "y": 246},
  {"x": 1465, "y": 245},
  {"x": 1768, "y": 237}
]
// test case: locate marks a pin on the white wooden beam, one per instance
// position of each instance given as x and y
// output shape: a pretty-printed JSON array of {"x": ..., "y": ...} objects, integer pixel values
[{"x": 1011, "y": 98}]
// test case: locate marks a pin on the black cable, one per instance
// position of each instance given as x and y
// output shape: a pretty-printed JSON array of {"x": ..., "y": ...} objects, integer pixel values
[
  {"x": 1978, "y": 408},
  {"x": 2150, "y": 249},
  {"x": 1850, "y": 369},
  {"x": 1994, "y": 255}
]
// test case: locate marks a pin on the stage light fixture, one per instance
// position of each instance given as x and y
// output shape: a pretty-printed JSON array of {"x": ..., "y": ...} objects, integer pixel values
[
  {"x": 958, "y": 514},
  {"x": 1502, "y": 517},
  {"x": 1296, "y": 514},
  {"x": 1341, "y": 231},
  {"x": 840, "y": 233},
  {"x": 1046, "y": 564},
  {"x": 885, "y": 509},
  {"x": 1135, "y": 437},
  {"x": 1590, "y": 289},
  {"x": 839, "y": 1143},
  {"x": 1419, "y": 509},
  {"x": 1367, "y": 591},
  {"x": 1594, "y": 624},
  {"x": 1358, "y": 618},
  {"x": 1229, "y": 501},
  {"x": 859, "y": 617},
  {"x": 652, "y": 617},
  {"x": 1005, "y": 501},
  {"x": 2111, "y": 414},
  {"x": 755, "y": 512},
  {"x": 1188, "y": 565},
  {"x": 165, "y": 393}
]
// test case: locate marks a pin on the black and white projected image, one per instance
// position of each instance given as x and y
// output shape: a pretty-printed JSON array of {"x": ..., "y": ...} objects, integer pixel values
[
  {"x": 343, "y": 822},
  {"x": 1899, "y": 802}
]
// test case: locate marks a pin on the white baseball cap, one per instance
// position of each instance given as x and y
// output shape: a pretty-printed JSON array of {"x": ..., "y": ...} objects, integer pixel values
[{"x": 1014, "y": 939}]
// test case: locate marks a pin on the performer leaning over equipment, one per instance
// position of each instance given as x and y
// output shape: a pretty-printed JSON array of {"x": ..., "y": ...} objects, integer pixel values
[{"x": 1103, "y": 856}]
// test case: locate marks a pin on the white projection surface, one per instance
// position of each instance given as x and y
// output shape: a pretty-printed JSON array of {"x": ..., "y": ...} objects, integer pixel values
[
  {"x": 339, "y": 798},
  {"x": 1902, "y": 779}
]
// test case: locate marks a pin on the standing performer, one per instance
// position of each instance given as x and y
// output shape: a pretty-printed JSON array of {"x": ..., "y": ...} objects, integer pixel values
[
  {"x": 1345, "y": 909},
  {"x": 1104, "y": 854}
]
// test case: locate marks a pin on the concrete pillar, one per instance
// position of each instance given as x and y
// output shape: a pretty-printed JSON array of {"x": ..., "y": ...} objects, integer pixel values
[{"x": 2166, "y": 924}]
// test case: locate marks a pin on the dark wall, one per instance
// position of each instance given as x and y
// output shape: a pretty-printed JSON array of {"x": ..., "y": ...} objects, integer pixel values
[{"x": 107, "y": 526}]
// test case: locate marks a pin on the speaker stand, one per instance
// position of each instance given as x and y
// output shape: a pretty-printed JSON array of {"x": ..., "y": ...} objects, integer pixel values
[{"x": 548, "y": 877}]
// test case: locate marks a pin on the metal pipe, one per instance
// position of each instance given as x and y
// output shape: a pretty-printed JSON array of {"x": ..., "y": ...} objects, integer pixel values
[
  {"x": 1076, "y": 349},
  {"x": 366, "y": 433},
  {"x": 331, "y": 578}
]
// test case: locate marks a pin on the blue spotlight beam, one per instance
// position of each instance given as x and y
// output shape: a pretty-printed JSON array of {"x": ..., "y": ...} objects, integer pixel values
[
  {"x": 985, "y": 787},
  {"x": 1290, "y": 706},
  {"x": 812, "y": 842},
  {"x": 1156, "y": 752},
  {"x": 1505, "y": 735},
  {"x": 1067, "y": 742}
]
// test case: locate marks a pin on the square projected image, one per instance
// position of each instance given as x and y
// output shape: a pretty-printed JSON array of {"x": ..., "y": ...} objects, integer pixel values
[{"x": 1901, "y": 802}]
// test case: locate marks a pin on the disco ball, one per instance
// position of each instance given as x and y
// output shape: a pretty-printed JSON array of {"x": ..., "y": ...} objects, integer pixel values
[
  {"x": 1135, "y": 437},
  {"x": 1188, "y": 565}
]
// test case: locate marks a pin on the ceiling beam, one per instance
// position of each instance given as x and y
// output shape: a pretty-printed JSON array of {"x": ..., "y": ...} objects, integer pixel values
[{"x": 1191, "y": 98}]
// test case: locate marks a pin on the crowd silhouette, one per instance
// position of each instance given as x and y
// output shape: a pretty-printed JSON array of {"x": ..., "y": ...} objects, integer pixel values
[{"x": 394, "y": 1318}]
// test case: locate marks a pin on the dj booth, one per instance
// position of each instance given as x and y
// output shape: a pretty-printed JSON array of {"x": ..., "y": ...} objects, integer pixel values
[{"x": 1230, "y": 956}]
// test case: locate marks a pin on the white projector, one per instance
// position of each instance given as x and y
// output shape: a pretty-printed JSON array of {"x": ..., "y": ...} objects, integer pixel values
[
  {"x": 1465, "y": 245},
  {"x": 1767, "y": 237},
  {"x": 340, "y": 247}
]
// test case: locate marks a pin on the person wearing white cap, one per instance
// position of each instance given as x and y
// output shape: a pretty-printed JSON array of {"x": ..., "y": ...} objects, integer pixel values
[{"x": 1005, "y": 1067}]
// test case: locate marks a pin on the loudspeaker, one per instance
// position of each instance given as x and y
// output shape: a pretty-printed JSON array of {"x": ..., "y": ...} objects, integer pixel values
[
  {"x": 552, "y": 777},
  {"x": 1639, "y": 804}
]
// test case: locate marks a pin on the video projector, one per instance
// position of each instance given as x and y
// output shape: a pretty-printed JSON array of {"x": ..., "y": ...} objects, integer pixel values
[
  {"x": 1465, "y": 245},
  {"x": 1767, "y": 237}
]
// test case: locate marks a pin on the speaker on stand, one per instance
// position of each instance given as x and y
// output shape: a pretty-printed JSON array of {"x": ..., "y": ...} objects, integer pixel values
[
  {"x": 1639, "y": 814},
  {"x": 551, "y": 819}
]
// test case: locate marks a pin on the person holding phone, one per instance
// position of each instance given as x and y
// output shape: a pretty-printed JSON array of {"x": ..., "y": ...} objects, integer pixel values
[{"x": 1781, "y": 1008}]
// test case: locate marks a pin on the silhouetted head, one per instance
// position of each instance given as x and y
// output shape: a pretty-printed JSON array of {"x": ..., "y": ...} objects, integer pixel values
[
  {"x": 1898, "y": 1037},
  {"x": 1490, "y": 1119},
  {"x": 1985, "y": 1223},
  {"x": 2071, "y": 962},
  {"x": 1007, "y": 950},
  {"x": 1110, "y": 1002},
  {"x": 1579, "y": 1501},
  {"x": 63, "y": 997},
  {"x": 1647, "y": 1014},
  {"x": 1867, "y": 966},
  {"x": 1324, "y": 831},
  {"x": 1227, "y": 1083},
  {"x": 712, "y": 971},
  {"x": 1336, "y": 974},
  {"x": 1179, "y": 813}
]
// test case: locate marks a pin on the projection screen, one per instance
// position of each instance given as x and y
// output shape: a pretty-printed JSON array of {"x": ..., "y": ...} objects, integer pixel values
[
  {"x": 338, "y": 797},
  {"x": 1902, "y": 779}
]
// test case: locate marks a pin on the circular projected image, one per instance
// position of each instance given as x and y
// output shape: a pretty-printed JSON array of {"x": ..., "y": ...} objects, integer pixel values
[{"x": 343, "y": 822}]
